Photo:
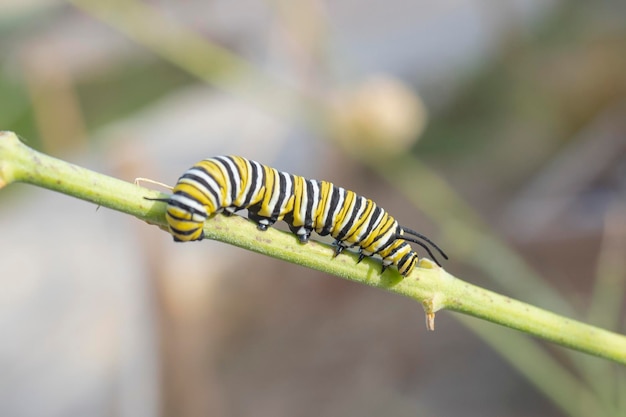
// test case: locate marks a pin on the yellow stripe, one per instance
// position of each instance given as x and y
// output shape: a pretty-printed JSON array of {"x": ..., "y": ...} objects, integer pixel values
[
  {"x": 346, "y": 208},
  {"x": 244, "y": 178},
  {"x": 325, "y": 195},
  {"x": 298, "y": 190},
  {"x": 289, "y": 203},
  {"x": 383, "y": 227},
  {"x": 270, "y": 183},
  {"x": 357, "y": 225},
  {"x": 196, "y": 194},
  {"x": 220, "y": 177}
]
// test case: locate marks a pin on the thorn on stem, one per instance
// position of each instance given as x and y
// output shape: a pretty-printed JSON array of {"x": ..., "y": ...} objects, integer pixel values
[{"x": 430, "y": 321}]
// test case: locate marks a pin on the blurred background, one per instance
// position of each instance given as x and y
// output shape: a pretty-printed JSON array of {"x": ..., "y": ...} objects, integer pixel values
[{"x": 497, "y": 128}]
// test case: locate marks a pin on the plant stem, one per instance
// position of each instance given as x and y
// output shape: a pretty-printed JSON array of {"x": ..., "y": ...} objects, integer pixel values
[{"x": 430, "y": 285}]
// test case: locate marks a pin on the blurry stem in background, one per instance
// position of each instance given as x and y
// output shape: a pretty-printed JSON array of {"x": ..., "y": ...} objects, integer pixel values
[
  {"x": 607, "y": 297},
  {"x": 610, "y": 282},
  {"x": 541, "y": 369},
  {"x": 207, "y": 61},
  {"x": 304, "y": 40},
  {"x": 429, "y": 285},
  {"x": 53, "y": 99}
]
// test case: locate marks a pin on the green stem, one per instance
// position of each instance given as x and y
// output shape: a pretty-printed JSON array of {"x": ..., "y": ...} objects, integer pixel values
[
  {"x": 430, "y": 285},
  {"x": 479, "y": 302}
]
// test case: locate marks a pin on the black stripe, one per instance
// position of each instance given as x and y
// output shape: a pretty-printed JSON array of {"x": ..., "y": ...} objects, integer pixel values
[
  {"x": 206, "y": 188},
  {"x": 355, "y": 210},
  {"x": 404, "y": 259},
  {"x": 173, "y": 216},
  {"x": 231, "y": 177},
  {"x": 396, "y": 249},
  {"x": 184, "y": 232},
  {"x": 240, "y": 174},
  {"x": 252, "y": 176},
  {"x": 383, "y": 232},
  {"x": 386, "y": 244},
  {"x": 363, "y": 221},
  {"x": 370, "y": 225},
  {"x": 283, "y": 194},
  {"x": 185, "y": 207},
  {"x": 329, "y": 221},
  {"x": 308, "y": 215}
]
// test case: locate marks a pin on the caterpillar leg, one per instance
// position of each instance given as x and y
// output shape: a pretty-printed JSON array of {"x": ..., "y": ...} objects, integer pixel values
[
  {"x": 229, "y": 211},
  {"x": 385, "y": 265},
  {"x": 339, "y": 247},
  {"x": 302, "y": 232},
  {"x": 262, "y": 223},
  {"x": 363, "y": 254}
]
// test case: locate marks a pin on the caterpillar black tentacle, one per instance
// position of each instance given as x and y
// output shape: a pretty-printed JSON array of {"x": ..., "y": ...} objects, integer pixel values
[
  {"x": 424, "y": 238},
  {"x": 422, "y": 244},
  {"x": 231, "y": 183}
]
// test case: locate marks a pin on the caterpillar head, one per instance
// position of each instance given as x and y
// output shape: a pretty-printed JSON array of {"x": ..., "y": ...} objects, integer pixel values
[{"x": 185, "y": 217}]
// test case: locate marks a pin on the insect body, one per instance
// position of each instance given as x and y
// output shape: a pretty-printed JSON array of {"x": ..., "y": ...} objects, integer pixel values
[{"x": 232, "y": 183}]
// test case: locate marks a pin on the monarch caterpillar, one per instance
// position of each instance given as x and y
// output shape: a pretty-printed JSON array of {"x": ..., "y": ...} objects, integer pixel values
[{"x": 231, "y": 183}]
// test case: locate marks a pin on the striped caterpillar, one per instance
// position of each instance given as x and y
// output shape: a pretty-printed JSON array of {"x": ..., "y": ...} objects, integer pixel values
[{"x": 231, "y": 183}]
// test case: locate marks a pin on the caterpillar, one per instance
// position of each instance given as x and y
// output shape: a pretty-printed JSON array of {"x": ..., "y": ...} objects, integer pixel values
[{"x": 231, "y": 183}]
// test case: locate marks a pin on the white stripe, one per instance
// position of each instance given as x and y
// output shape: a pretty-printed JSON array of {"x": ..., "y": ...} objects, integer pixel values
[
  {"x": 236, "y": 179},
  {"x": 258, "y": 181},
  {"x": 222, "y": 166},
  {"x": 213, "y": 185},
  {"x": 288, "y": 192},
  {"x": 305, "y": 199},
  {"x": 326, "y": 207},
  {"x": 346, "y": 218},
  {"x": 356, "y": 218},
  {"x": 200, "y": 186},
  {"x": 193, "y": 204},
  {"x": 386, "y": 238},
  {"x": 342, "y": 196},
  {"x": 275, "y": 191},
  {"x": 242, "y": 197},
  {"x": 316, "y": 201},
  {"x": 376, "y": 223}
]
